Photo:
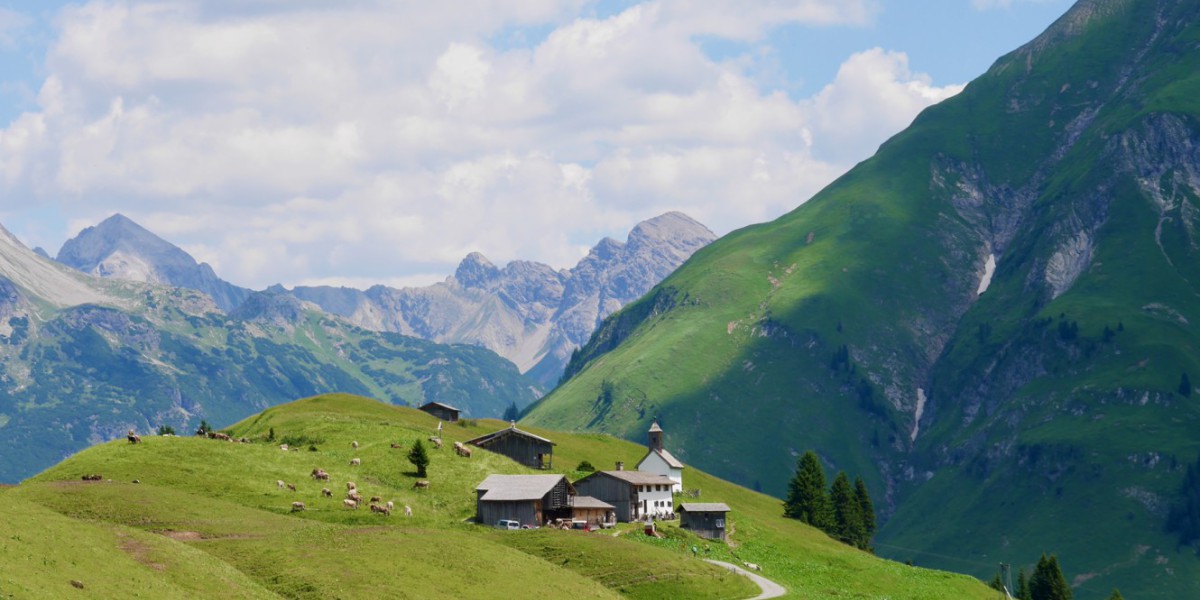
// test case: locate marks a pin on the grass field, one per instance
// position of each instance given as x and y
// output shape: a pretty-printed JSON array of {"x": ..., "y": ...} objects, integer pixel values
[{"x": 207, "y": 519}]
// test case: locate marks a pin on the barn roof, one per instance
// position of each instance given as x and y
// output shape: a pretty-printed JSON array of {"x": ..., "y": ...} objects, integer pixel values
[
  {"x": 437, "y": 405},
  {"x": 590, "y": 502},
  {"x": 695, "y": 507},
  {"x": 510, "y": 430},
  {"x": 499, "y": 488},
  {"x": 635, "y": 477},
  {"x": 667, "y": 456}
]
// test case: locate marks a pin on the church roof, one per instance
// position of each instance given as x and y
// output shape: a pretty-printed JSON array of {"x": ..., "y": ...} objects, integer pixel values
[
  {"x": 654, "y": 427},
  {"x": 666, "y": 456}
]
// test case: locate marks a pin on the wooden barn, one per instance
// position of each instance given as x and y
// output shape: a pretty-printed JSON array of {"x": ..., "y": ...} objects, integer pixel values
[
  {"x": 592, "y": 510},
  {"x": 633, "y": 494},
  {"x": 530, "y": 499},
  {"x": 444, "y": 412},
  {"x": 705, "y": 519},
  {"x": 524, "y": 447}
]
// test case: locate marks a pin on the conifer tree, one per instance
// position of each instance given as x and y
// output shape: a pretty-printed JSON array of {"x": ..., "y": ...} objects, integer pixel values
[
  {"x": 847, "y": 516},
  {"x": 1023, "y": 592},
  {"x": 866, "y": 507},
  {"x": 1185, "y": 385},
  {"x": 1047, "y": 582},
  {"x": 807, "y": 499},
  {"x": 1116, "y": 595},
  {"x": 419, "y": 457}
]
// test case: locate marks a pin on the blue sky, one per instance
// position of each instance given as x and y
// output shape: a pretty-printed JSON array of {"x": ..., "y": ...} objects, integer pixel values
[{"x": 353, "y": 143}]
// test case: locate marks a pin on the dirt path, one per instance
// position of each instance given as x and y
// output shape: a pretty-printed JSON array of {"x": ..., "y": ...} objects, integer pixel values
[{"x": 770, "y": 589}]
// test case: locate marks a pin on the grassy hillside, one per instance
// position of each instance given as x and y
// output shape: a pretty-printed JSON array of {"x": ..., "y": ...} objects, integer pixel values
[
  {"x": 993, "y": 426},
  {"x": 214, "y": 508}
]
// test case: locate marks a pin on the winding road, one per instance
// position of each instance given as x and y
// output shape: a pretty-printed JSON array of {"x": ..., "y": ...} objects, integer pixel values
[{"x": 770, "y": 589}]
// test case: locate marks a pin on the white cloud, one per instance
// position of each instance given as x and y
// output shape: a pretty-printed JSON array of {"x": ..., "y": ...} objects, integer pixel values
[{"x": 319, "y": 142}]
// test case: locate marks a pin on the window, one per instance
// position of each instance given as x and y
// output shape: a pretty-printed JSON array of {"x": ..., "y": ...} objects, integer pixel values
[{"x": 720, "y": 523}]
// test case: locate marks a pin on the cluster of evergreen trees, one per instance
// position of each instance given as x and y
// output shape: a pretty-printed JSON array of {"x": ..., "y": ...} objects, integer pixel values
[
  {"x": 844, "y": 512},
  {"x": 1046, "y": 583}
]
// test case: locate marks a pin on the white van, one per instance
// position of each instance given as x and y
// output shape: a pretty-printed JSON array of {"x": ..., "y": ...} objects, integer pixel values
[{"x": 508, "y": 524}]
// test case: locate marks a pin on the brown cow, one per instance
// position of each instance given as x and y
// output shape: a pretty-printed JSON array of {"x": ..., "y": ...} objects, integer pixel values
[{"x": 422, "y": 484}]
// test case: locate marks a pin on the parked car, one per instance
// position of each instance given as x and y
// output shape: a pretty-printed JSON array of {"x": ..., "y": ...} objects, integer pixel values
[{"x": 508, "y": 524}]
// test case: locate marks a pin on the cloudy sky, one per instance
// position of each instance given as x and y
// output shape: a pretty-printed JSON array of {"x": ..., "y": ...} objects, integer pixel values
[{"x": 351, "y": 143}]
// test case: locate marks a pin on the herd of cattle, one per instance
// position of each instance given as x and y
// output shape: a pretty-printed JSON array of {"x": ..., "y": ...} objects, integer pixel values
[{"x": 353, "y": 499}]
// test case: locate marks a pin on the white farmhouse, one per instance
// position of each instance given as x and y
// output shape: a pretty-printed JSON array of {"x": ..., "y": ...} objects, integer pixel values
[{"x": 658, "y": 460}]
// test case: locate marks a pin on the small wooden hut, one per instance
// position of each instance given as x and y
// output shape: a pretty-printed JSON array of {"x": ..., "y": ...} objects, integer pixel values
[
  {"x": 705, "y": 519},
  {"x": 524, "y": 447},
  {"x": 592, "y": 510},
  {"x": 444, "y": 412},
  {"x": 530, "y": 499}
]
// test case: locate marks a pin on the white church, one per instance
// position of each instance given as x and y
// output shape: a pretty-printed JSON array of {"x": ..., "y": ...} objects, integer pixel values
[{"x": 658, "y": 460}]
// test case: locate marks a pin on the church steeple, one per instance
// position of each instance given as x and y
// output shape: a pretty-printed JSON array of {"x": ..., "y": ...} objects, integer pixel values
[{"x": 655, "y": 434}]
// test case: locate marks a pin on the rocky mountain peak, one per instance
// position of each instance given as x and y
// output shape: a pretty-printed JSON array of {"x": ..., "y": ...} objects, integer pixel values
[
  {"x": 119, "y": 248},
  {"x": 673, "y": 228},
  {"x": 476, "y": 271}
]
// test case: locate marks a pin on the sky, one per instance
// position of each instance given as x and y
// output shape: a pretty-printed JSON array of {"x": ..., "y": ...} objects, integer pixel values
[{"x": 307, "y": 142}]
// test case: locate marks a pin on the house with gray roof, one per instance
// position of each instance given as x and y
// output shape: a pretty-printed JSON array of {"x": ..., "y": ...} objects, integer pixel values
[
  {"x": 634, "y": 495},
  {"x": 530, "y": 499}
]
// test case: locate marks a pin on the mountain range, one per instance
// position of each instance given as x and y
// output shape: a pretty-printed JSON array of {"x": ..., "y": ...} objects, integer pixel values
[
  {"x": 527, "y": 312},
  {"x": 992, "y": 319},
  {"x": 85, "y": 358}
]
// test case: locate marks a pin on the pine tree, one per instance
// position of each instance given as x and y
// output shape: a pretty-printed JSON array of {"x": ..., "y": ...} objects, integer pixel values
[
  {"x": 1116, "y": 595},
  {"x": 419, "y": 457},
  {"x": 511, "y": 413},
  {"x": 995, "y": 583},
  {"x": 866, "y": 508},
  {"x": 1047, "y": 582},
  {"x": 1023, "y": 592},
  {"x": 807, "y": 499},
  {"x": 1185, "y": 385},
  {"x": 1183, "y": 518},
  {"x": 847, "y": 516}
]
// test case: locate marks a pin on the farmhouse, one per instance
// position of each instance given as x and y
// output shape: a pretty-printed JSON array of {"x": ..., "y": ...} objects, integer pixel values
[
  {"x": 705, "y": 519},
  {"x": 530, "y": 499},
  {"x": 524, "y": 447},
  {"x": 444, "y": 412},
  {"x": 659, "y": 460},
  {"x": 633, "y": 494}
]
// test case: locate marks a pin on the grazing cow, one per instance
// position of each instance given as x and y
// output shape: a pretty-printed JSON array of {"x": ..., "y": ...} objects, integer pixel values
[
  {"x": 280, "y": 484},
  {"x": 297, "y": 506},
  {"x": 463, "y": 451},
  {"x": 355, "y": 496},
  {"x": 354, "y": 444},
  {"x": 283, "y": 447},
  {"x": 354, "y": 462},
  {"x": 407, "y": 510},
  {"x": 437, "y": 443},
  {"x": 422, "y": 484},
  {"x": 348, "y": 503},
  {"x": 133, "y": 437},
  {"x": 752, "y": 566},
  {"x": 390, "y": 505},
  {"x": 458, "y": 446},
  {"x": 217, "y": 435},
  {"x": 397, "y": 446},
  {"x": 320, "y": 475},
  {"x": 350, "y": 486},
  {"x": 326, "y": 492},
  {"x": 376, "y": 499},
  {"x": 292, "y": 486},
  {"x": 381, "y": 510}
]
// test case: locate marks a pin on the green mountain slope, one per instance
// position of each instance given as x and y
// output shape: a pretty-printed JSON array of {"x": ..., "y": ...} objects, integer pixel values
[
  {"x": 994, "y": 425},
  {"x": 215, "y": 505},
  {"x": 84, "y": 359}
]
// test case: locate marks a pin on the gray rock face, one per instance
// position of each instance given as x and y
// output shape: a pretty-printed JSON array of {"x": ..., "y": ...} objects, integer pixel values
[
  {"x": 525, "y": 311},
  {"x": 121, "y": 249}
]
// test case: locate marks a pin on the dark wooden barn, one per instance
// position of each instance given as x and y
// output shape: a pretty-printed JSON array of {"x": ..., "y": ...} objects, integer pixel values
[
  {"x": 524, "y": 447},
  {"x": 444, "y": 412},
  {"x": 530, "y": 499},
  {"x": 705, "y": 519},
  {"x": 633, "y": 494}
]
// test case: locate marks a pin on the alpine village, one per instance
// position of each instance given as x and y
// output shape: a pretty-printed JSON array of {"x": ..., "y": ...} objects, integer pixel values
[{"x": 962, "y": 370}]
